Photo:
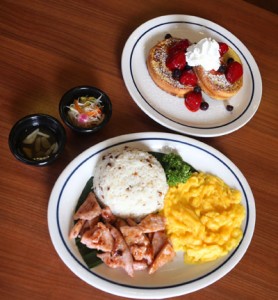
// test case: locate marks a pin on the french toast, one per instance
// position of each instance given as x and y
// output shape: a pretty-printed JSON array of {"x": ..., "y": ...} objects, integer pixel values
[
  {"x": 160, "y": 73},
  {"x": 219, "y": 84},
  {"x": 214, "y": 83}
]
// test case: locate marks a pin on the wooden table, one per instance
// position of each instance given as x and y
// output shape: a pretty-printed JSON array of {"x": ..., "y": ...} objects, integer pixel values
[{"x": 50, "y": 46}]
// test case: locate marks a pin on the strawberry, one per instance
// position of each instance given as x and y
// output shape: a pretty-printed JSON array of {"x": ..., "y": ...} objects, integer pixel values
[
  {"x": 176, "y": 61},
  {"x": 223, "y": 48},
  {"x": 188, "y": 78},
  {"x": 193, "y": 101},
  {"x": 179, "y": 46},
  {"x": 234, "y": 71}
]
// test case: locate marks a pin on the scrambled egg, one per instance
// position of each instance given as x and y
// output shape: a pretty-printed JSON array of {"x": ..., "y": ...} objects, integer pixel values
[{"x": 204, "y": 217}]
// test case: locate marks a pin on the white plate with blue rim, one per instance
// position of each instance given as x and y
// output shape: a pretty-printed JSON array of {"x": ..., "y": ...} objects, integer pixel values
[
  {"x": 169, "y": 110},
  {"x": 175, "y": 278}
]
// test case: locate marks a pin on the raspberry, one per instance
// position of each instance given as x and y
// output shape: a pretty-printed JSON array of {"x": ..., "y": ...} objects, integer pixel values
[
  {"x": 193, "y": 101},
  {"x": 179, "y": 46},
  {"x": 176, "y": 61},
  {"x": 234, "y": 71},
  {"x": 188, "y": 78},
  {"x": 223, "y": 48}
]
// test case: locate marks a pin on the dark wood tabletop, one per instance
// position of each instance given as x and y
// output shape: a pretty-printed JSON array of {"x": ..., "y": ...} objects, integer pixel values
[{"x": 48, "y": 47}]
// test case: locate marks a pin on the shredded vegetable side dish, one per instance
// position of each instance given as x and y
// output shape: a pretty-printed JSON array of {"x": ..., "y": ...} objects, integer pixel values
[{"x": 86, "y": 111}]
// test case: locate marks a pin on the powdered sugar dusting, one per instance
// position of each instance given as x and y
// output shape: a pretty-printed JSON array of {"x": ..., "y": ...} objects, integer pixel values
[
  {"x": 160, "y": 57},
  {"x": 219, "y": 80}
]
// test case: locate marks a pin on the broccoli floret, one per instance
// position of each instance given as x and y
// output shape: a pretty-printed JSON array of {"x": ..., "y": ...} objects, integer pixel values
[{"x": 176, "y": 170}]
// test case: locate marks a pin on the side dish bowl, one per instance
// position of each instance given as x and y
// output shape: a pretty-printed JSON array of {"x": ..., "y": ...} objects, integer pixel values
[
  {"x": 37, "y": 139},
  {"x": 74, "y": 115}
]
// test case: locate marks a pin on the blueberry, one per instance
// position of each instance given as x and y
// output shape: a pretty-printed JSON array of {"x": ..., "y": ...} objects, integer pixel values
[
  {"x": 197, "y": 89},
  {"x": 204, "y": 105},
  {"x": 230, "y": 60},
  {"x": 176, "y": 74},
  {"x": 168, "y": 36},
  {"x": 229, "y": 107},
  {"x": 187, "y": 67},
  {"x": 222, "y": 69}
]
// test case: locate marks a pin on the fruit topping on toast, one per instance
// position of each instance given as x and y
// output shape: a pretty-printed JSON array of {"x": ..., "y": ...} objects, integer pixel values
[
  {"x": 166, "y": 62},
  {"x": 193, "y": 101},
  {"x": 186, "y": 69},
  {"x": 223, "y": 48},
  {"x": 234, "y": 72},
  {"x": 176, "y": 61}
]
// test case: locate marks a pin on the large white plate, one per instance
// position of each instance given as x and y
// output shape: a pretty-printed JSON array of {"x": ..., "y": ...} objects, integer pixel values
[
  {"x": 175, "y": 278},
  {"x": 170, "y": 111}
]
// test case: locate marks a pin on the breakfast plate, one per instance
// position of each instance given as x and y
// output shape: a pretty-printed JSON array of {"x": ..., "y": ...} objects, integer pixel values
[
  {"x": 176, "y": 278},
  {"x": 169, "y": 110}
]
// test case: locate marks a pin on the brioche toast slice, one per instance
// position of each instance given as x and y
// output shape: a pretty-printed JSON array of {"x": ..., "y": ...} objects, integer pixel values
[
  {"x": 160, "y": 73},
  {"x": 214, "y": 83}
]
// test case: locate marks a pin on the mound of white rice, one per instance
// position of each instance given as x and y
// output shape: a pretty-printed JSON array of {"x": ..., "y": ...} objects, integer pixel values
[{"x": 131, "y": 182}]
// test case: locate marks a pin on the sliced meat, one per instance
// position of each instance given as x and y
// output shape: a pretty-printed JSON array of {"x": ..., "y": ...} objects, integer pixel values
[
  {"x": 131, "y": 222},
  {"x": 132, "y": 234},
  {"x": 76, "y": 229},
  {"x": 119, "y": 223},
  {"x": 89, "y": 224},
  {"x": 159, "y": 239},
  {"x": 107, "y": 215},
  {"x": 99, "y": 238},
  {"x": 142, "y": 252},
  {"x": 140, "y": 265},
  {"x": 138, "y": 243},
  {"x": 152, "y": 223},
  {"x": 120, "y": 256},
  {"x": 165, "y": 255},
  {"x": 89, "y": 208}
]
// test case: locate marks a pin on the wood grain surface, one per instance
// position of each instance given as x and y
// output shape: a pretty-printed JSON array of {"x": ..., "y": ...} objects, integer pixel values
[{"x": 48, "y": 47}]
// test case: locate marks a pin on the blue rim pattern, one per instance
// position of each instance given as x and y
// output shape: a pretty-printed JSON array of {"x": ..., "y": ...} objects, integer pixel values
[
  {"x": 191, "y": 23},
  {"x": 157, "y": 287}
]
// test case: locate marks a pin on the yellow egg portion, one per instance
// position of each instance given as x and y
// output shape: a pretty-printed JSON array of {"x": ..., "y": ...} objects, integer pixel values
[{"x": 204, "y": 217}]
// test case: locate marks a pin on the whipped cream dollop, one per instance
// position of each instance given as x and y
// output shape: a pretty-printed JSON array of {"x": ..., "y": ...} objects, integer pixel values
[{"x": 205, "y": 53}]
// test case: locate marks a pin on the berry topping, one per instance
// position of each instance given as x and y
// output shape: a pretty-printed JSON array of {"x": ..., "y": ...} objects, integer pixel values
[
  {"x": 223, "y": 48},
  {"x": 176, "y": 61},
  {"x": 230, "y": 60},
  {"x": 176, "y": 74},
  {"x": 188, "y": 78},
  {"x": 204, "y": 105},
  {"x": 197, "y": 89},
  {"x": 168, "y": 36},
  {"x": 229, "y": 107},
  {"x": 234, "y": 72},
  {"x": 187, "y": 67},
  {"x": 180, "y": 46},
  {"x": 222, "y": 69},
  {"x": 193, "y": 101}
]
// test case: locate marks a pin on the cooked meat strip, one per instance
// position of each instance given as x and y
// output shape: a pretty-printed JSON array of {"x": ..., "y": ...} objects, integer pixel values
[
  {"x": 107, "y": 215},
  {"x": 99, "y": 238},
  {"x": 140, "y": 265},
  {"x": 138, "y": 243},
  {"x": 76, "y": 229},
  {"x": 158, "y": 241},
  {"x": 89, "y": 208},
  {"x": 152, "y": 223},
  {"x": 120, "y": 256},
  {"x": 165, "y": 255}
]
